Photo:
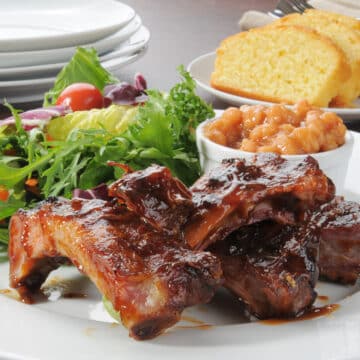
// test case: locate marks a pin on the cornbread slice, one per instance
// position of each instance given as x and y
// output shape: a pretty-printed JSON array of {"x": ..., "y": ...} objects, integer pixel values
[
  {"x": 337, "y": 18},
  {"x": 281, "y": 64},
  {"x": 344, "y": 36}
]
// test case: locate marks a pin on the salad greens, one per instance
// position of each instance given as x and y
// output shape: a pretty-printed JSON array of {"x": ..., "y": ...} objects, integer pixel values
[
  {"x": 160, "y": 131},
  {"x": 83, "y": 67}
]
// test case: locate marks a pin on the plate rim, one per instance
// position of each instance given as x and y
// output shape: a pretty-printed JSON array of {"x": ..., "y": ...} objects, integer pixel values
[
  {"x": 53, "y": 55},
  {"x": 75, "y": 37}
]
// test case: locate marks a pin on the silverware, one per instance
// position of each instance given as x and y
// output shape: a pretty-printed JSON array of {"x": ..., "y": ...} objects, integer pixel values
[
  {"x": 285, "y": 7},
  {"x": 302, "y": 5}
]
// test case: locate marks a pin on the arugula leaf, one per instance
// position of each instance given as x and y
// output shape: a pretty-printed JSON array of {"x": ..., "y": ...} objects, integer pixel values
[
  {"x": 4, "y": 240},
  {"x": 28, "y": 149},
  {"x": 4, "y": 236},
  {"x": 20, "y": 130},
  {"x": 10, "y": 176},
  {"x": 83, "y": 67},
  {"x": 7, "y": 208}
]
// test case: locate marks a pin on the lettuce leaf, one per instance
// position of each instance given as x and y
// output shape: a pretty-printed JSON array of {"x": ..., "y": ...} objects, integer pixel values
[
  {"x": 83, "y": 67},
  {"x": 115, "y": 119},
  {"x": 110, "y": 309}
]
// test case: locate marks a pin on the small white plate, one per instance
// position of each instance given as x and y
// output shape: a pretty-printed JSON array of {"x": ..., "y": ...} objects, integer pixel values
[
  {"x": 45, "y": 57},
  {"x": 26, "y": 91},
  {"x": 42, "y": 24},
  {"x": 136, "y": 41},
  {"x": 202, "y": 67},
  {"x": 79, "y": 328}
]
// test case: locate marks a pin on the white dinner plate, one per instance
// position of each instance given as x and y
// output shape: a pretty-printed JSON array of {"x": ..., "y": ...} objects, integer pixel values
[
  {"x": 79, "y": 328},
  {"x": 11, "y": 60},
  {"x": 136, "y": 41},
  {"x": 42, "y": 24},
  {"x": 26, "y": 91},
  {"x": 202, "y": 67}
]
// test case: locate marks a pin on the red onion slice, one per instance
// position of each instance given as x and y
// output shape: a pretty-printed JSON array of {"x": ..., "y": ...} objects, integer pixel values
[
  {"x": 98, "y": 192},
  {"x": 37, "y": 117}
]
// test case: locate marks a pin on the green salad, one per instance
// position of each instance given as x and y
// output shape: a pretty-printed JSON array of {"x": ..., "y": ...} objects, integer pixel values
[{"x": 71, "y": 151}]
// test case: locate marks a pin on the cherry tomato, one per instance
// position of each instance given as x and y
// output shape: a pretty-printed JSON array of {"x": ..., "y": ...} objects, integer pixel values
[
  {"x": 4, "y": 194},
  {"x": 81, "y": 96}
]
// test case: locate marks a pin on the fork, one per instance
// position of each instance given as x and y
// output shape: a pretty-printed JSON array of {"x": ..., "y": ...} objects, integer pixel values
[
  {"x": 285, "y": 7},
  {"x": 302, "y": 5}
]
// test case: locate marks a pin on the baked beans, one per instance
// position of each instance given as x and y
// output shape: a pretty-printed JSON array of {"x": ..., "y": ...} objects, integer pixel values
[{"x": 301, "y": 130}]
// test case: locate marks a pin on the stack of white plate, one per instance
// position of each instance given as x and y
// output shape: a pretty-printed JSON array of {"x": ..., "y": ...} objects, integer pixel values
[{"x": 38, "y": 37}]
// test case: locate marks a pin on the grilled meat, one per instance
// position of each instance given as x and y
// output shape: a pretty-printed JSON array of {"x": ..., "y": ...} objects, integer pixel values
[
  {"x": 138, "y": 245},
  {"x": 339, "y": 222},
  {"x": 148, "y": 274},
  {"x": 156, "y": 196},
  {"x": 271, "y": 267},
  {"x": 241, "y": 192}
]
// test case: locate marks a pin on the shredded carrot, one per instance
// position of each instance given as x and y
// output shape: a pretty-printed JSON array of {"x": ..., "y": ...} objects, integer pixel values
[
  {"x": 4, "y": 193},
  {"x": 31, "y": 182}
]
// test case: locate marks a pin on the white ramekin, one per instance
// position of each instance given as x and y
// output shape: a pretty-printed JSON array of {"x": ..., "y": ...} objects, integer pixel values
[{"x": 334, "y": 162}]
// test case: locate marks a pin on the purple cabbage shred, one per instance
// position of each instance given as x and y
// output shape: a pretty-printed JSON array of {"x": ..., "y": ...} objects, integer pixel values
[{"x": 126, "y": 94}]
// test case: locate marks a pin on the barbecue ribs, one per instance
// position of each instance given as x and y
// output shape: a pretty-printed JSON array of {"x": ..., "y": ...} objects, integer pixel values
[
  {"x": 253, "y": 216},
  {"x": 154, "y": 195},
  {"x": 149, "y": 275},
  {"x": 143, "y": 246},
  {"x": 241, "y": 192},
  {"x": 339, "y": 222},
  {"x": 271, "y": 267}
]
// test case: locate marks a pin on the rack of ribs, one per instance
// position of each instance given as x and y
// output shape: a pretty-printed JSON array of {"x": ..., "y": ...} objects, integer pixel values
[
  {"x": 242, "y": 192},
  {"x": 155, "y": 247},
  {"x": 148, "y": 274}
]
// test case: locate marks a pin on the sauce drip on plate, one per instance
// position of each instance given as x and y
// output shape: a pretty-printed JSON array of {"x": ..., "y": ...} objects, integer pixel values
[
  {"x": 323, "y": 298},
  {"x": 74, "y": 295},
  {"x": 312, "y": 314},
  {"x": 198, "y": 324}
]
